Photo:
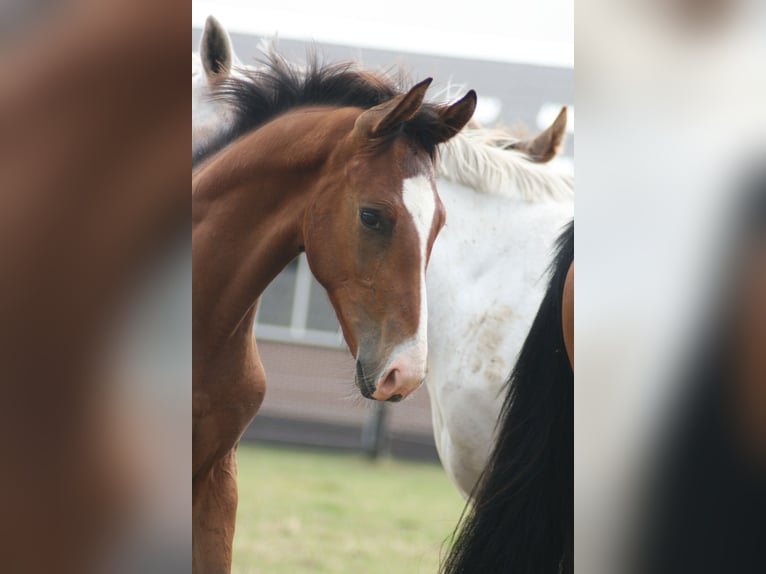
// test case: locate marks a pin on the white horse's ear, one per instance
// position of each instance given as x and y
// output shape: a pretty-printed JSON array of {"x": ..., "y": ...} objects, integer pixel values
[
  {"x": 547, "y": 144},
  {"x": 215, "y": 49}
]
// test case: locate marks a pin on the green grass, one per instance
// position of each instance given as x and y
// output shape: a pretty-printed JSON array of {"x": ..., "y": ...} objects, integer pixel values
[{"x": 316, "y": 512}]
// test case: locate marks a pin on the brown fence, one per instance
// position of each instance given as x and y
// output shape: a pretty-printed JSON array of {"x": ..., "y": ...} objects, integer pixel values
[{"x": 311, "y": 400}]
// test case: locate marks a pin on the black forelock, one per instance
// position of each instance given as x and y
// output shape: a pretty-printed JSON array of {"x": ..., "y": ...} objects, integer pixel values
[{"x": 276, "y": 86}]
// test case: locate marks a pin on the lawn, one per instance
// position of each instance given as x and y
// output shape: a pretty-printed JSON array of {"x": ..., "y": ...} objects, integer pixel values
[{"x": 317, "y": 512}]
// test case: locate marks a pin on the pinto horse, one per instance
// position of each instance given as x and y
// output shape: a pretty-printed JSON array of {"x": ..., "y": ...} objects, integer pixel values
[
  {"x": 521, "y": 516},
  {"x": 504, "y": 206},
  {"x": 335, "y": 163}
]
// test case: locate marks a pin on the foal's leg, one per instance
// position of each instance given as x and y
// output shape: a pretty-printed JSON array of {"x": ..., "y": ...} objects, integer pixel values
[{"x": 215, "y": 510}]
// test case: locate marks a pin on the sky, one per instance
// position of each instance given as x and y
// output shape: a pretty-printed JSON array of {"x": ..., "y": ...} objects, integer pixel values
[{"x": 539, "y": 32}]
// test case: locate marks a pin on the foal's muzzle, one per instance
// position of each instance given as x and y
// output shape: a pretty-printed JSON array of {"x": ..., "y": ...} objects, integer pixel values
[{"x": 399, "y": 378}]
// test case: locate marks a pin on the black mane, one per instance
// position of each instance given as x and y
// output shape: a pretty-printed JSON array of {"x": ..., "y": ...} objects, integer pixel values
[
  {"x": 278, "y": 85},
  {"x": 521, "y": 521}
]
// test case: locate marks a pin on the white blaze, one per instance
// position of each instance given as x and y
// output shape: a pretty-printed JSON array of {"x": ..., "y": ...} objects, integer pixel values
[{"x": 420, "y": 201}]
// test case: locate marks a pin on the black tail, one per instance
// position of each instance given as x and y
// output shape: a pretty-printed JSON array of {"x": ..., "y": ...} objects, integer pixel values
[{"x": 522, "y": 516}]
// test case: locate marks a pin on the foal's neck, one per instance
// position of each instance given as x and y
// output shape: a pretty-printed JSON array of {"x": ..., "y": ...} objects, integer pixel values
[{"x": 248, "y": 209}]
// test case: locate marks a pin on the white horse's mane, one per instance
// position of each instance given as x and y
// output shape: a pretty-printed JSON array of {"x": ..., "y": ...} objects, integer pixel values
[{"x": 475, "y": 157}]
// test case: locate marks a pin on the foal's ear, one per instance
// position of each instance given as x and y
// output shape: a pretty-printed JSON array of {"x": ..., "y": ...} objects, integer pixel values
[
  {"x": 386, "y": 118},
  {"x": 455, "y": 116},
  {"x": 547, "y": 144},
  {"x": 215, "y": 49}
]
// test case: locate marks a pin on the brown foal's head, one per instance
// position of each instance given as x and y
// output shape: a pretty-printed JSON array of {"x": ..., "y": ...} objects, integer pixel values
[{"x": 369, "y": 231}]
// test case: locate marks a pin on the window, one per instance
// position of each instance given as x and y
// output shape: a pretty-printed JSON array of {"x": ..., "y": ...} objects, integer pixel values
[{"x": 295, "y": 309}]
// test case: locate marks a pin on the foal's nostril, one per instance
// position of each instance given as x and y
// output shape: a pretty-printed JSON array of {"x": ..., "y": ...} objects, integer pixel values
[
  {"x": 389, "y": 387},
  {"x": 364, "y": 385},
  {"x": 389, "y": 383}
]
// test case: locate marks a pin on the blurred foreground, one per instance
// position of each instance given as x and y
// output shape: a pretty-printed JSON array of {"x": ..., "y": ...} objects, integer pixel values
[
  {"x": 670, "y": 388},
  {"x": 95, "y": 291}
]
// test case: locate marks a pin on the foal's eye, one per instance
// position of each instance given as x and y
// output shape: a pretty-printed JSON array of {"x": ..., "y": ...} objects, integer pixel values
[{"x": 370, "y": 218}]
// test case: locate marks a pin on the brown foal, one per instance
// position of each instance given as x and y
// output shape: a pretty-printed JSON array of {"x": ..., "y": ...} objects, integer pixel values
[{"x": 351, "y": 185}]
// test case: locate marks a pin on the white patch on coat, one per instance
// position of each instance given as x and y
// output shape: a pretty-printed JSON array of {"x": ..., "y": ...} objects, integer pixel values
[{"x": 486, "y": 279}]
